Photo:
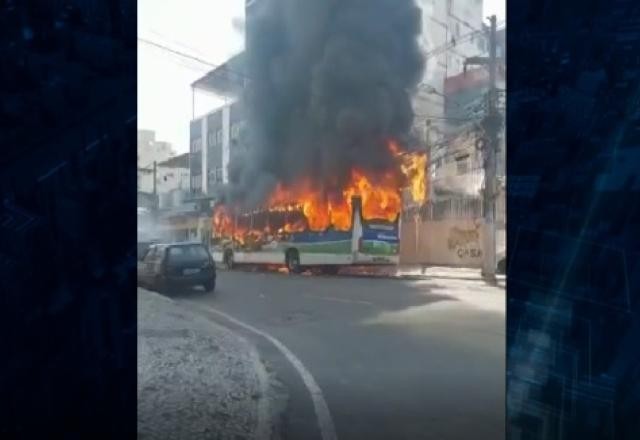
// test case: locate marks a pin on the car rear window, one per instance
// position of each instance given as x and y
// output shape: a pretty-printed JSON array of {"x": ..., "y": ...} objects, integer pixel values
[{"x": 188, "y": 253}]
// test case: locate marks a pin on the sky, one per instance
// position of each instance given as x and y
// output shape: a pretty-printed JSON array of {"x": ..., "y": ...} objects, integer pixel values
[
  {"x": 497, "y": 7},
  {"x": 201, "y": 28}
]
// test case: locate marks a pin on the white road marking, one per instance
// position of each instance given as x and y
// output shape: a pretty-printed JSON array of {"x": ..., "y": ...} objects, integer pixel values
[
  {"x": 263, "y": 427},
  {"x": 325, "y": 422},
  {"x": 342, "y": 300}
]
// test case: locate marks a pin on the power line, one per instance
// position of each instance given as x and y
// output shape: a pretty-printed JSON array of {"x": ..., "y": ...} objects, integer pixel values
[
  {"x": 435, "y": 51},
  {"x": 179, "y": 53},
  {"x": 179, "y": 44},
  {"x": 463, "y": 39}
]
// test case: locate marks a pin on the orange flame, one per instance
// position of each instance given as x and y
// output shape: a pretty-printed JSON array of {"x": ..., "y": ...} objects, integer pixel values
[
  {"x": 221, "y": 219},
  {"x": 413, "y": 167},
  {"x": 380, "y": 195}
]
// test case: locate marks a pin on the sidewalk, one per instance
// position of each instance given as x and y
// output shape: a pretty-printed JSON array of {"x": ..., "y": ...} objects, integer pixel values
[
  {"x": 197, "y": 379},
  {"x": 422, "y": 273}
]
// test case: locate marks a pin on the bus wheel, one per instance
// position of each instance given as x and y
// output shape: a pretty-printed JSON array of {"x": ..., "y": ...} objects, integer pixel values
[
  {"x": 293, "y": 261},
  {"x": 228, "y": 260}
]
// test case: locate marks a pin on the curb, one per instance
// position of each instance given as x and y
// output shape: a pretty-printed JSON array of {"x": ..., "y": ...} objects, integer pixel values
[{"x": 169, "y": 316}]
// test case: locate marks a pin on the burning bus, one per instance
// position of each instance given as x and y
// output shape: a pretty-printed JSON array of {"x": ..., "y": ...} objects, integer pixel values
[
  {"x": 306, "y": 226},
  {"x": 319, "y": 175}
]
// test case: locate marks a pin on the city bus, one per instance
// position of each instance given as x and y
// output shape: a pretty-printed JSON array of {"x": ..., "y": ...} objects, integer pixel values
[{"x": 283, "y": 238}]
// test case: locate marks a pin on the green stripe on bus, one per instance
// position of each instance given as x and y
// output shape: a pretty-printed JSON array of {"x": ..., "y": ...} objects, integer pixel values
[
  {"x": 379, "y": 248},
  {"x": 334, "y": 247}
]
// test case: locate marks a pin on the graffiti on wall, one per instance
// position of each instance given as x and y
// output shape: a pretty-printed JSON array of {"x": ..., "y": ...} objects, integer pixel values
[{"x": 465, "y": 242}]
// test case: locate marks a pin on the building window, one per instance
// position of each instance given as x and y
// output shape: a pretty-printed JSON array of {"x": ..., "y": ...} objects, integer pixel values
[
  {"x": 215, "y": 175},
  {"x": 211, "y": 141},
  {"x": 196, "y": 146},
  {"x": 462, "y": 167},
  {"x": 219, "y": 137},
  {"x": 235, "y": 131},
  {"x": 242, "y": 127},
  {"x": 196, "y": 183}
]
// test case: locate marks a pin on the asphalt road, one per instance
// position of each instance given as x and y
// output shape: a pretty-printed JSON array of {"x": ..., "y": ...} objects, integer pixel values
[{"x": 393, "y": 359}]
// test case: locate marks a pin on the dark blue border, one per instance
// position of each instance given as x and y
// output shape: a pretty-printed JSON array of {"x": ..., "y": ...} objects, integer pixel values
[
  {"x": 67, "y": 222},
  {"x": 573, "y": 124}
]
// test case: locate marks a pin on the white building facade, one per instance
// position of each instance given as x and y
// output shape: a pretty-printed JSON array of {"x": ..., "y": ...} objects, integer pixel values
[
  {"x": 150, "y": 149},
  {"x": 214, "y": 137},
  {"x": 171, "y": 174}
]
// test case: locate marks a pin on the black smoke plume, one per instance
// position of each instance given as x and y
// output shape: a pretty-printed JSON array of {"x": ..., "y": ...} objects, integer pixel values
[{"x": 328, "y": 84}]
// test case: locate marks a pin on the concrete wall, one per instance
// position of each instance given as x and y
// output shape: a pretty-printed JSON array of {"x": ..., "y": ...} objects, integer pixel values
[{"x": 451, "y": 242}]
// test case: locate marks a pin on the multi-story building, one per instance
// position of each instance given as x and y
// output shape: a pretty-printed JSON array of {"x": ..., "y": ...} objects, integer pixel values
[
  {"x": 457, "y": 160},
  {"x": 216, "y": 136},
  {"x": 151, "y": 150},
  {"x": 214, "y": 139},
  {"x": 456, "y": 163},
  {"x": 171, "y": 171},
  {"x": 452, "y": 30}
]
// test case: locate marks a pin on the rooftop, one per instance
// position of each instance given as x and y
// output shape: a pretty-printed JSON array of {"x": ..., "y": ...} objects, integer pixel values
[
  {"x": 180, "y": 161},
  {"x": 227, "y": 79}
]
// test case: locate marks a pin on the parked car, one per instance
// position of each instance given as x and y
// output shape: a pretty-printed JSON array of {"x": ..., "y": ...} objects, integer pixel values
[
  {"x": 143, "y": 247},
  {"x": 165, "y": 267}
]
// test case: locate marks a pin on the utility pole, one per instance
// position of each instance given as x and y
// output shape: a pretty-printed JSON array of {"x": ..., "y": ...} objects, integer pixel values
[
  {"x": 489, "y": 267},
  {"x": 429, "y": 161},
  {"x": 156, "y": 203},
  {"x": 155, "y": 172},
  {"x": 491, "y": 125},
  {"x": 155, "y": 188}
]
